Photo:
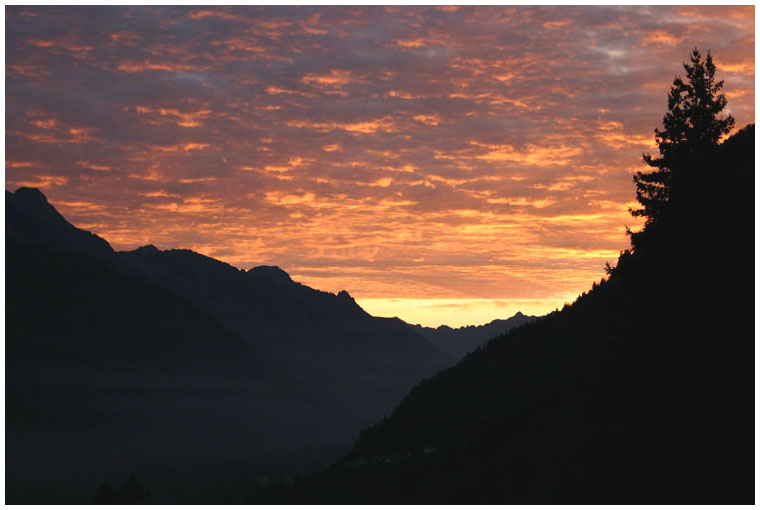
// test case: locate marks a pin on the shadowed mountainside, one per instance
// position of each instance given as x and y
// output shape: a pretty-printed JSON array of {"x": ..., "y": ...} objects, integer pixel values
[
  {"x": 461, "y": 341},
  {"x": 642, "y": 391},
  {"x": 30, "y": 218},
  {"x": 192, "y": 373}
]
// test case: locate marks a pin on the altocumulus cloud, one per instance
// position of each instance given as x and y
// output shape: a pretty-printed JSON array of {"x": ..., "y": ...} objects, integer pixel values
[{"x": 473, "y": 153}]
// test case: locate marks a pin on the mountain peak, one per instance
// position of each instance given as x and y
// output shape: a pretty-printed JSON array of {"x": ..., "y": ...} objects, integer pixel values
[
  {"x": 31, "y": 195},
  {"x": 148, "y": 249},
  {"x": 272, "y": 273},
  {"x": 30, "y": 218},
  {"x": 33, "y": 201}
]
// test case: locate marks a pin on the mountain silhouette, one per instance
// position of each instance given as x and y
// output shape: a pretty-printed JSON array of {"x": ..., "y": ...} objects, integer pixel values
[
  {"x": 463, "y": 340},
  {"x": 189, "y": 372},
  {"x": 640, "y": 392},
  {"x": 93, "y": 314},
  {"x": 105, "y": 374},
  {"x": 30, "y": 218}
]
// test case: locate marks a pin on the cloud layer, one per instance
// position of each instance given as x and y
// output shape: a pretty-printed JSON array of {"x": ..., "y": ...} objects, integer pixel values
[{"x": 402, "y": 153}]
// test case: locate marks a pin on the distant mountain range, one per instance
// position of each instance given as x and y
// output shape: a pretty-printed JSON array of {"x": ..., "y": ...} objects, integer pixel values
[
  {"x": 177, "y": 366},
  {"x": 461, "y": 341}
]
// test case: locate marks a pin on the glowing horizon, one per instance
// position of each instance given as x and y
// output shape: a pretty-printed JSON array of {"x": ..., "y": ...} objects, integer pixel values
[
  {"x": 446, "y": 165},
  {"x": 459, "y": 312}
]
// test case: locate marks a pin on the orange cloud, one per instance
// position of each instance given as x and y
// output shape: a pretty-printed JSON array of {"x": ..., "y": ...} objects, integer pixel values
[
  {"x": 241, "y": 44},
  {"x": 29, "y": 70},
  {"x": 125, "y": 38},
  {"x": 411, "y": 43},
  {"x": 403, "y": 95},
  {"x": 661, "y": 37},
  {"x": 182, "y": 147},
  {"x": 45, "y": 123},
  {"x": 274, "y": 90},
  {"x": 95, "y": 167},
  {"x": 430, "y": 120},
  {"x": 148, "y": 65},
  {"x": 64, "y": 44},
  {"x": 333, "y": 78},
  {"x": 363, "y": 127},
  {"x": 198, "y": 179},
  {"x": 530, "y": 154},
  {"x": 174, "y": 116},
  {"x": 73, "y": 135},
  {"x": 739, "y": 67},
  {"x": 18, "y": 164},
  {"x": 211, "y": 13},
  {"x": 42, "y": 181}
]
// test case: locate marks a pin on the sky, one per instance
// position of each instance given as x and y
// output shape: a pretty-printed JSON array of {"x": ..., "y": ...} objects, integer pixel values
[{"x": 446, "y": 165}]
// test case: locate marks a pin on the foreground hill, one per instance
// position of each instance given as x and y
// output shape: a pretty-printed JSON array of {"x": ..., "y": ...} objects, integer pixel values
[
  {"x": 106, "y": 375},
  {"x": 461, "y": 341},
  {"x": 191, "y": 373},
  {"x": 642, "y": 391}
]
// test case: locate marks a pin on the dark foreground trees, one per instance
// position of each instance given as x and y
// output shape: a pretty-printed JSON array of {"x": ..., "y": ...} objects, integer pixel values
[
  {"x": 641, "y": 392},
  {"x": 693, "y": 128},
  {"x": 131, "y": 492}
]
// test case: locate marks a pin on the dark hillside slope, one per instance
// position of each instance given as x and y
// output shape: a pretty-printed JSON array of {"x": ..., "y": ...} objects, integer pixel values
[
  {"x": 642, "y": 391},
  {"x": 68, "y": 307},
  {"x": 107, "y": 376}
]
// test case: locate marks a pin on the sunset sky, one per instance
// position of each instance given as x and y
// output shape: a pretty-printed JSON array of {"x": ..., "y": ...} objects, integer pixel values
[{"x": 445, "y": 165}]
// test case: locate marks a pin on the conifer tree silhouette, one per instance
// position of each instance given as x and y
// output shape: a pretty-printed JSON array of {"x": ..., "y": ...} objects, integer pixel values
[
  {"x": 131, "y": 492},
  {"x": 106, "y": 495},
  {"x": 693, "y": 125}
]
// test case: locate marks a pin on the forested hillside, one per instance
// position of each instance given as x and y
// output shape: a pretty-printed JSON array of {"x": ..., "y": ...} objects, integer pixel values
[{"x": 641, "y": 391}]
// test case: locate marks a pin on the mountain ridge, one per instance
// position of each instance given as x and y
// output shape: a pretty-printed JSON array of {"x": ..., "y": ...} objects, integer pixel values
[
  {"x": 315, "y": 367},
  {"x": 465, "y": 339},
  {"x": 31, "y": 218}
]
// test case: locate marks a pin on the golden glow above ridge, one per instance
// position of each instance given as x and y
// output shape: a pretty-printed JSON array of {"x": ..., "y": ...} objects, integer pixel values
[{"x": 443, "y": 165}]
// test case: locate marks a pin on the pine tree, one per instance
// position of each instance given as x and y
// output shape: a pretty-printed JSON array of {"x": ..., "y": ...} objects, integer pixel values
[
  {"x": 132, "y": 492},
  {"x": 106, "y": 494},
  {"x": 692, "y": 126}
]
